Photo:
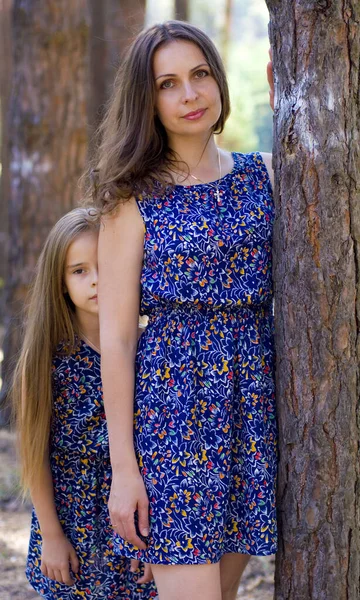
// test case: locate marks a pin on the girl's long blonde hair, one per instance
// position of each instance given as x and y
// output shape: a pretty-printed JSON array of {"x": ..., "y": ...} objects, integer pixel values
[{"x": 49, "y": 320}]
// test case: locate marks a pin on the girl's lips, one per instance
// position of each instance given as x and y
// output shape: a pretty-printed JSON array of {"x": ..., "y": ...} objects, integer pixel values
[{"x": 197, "y": 114}]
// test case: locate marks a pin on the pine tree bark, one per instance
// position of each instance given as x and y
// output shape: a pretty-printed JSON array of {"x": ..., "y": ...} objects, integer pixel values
[
  {"x": 316, "y": 54},
  {"x": 48, "y": 142}
]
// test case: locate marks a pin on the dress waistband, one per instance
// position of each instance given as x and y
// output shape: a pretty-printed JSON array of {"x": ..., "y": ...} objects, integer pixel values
[{"x": 191, "y": 308}]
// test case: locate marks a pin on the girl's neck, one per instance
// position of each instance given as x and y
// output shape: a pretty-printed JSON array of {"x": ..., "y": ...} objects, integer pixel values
[{"x": 88, "y": 327}]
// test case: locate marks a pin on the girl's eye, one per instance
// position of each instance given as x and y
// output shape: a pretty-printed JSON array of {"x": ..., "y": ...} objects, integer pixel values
[
  {"x": 78, "y": 271},
  {"x": 166, "y": 85}
]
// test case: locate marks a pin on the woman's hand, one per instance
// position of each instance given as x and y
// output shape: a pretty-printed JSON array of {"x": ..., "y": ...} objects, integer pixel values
[
  {"x": 127, "y": 497},
  {"x": 147, "y": 575},
  {"x": 270, "y": 78},
  {"x": 56, "y": 557}
]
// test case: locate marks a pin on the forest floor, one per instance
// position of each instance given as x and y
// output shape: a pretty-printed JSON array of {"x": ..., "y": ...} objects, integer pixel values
[{"x": 257, "y": 583}]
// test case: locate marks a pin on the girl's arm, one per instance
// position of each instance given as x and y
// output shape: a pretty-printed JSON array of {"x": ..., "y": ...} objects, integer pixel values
[
  {"x": 120, "y": 261},
  {"x": 57, "y": 552},
  {"x": 42, "y": 497}
]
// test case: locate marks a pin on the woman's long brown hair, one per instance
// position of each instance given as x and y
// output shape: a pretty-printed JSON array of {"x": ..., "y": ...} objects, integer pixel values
[
  {"x": 133, "y": 153},
  {"x": 49, "y": 320}
]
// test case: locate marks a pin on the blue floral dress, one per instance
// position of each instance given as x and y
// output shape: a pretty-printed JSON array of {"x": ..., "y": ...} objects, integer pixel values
[
  {"x": 205, "y": 425},
  {"x": 80, "y": 464}
]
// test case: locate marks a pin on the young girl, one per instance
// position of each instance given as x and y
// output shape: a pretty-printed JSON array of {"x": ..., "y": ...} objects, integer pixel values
[
  {"x": 187, "y": 236},
  {"x": 62, "y": 427}
]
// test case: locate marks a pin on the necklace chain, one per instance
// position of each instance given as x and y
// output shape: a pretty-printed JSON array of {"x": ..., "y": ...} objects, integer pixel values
[
  {"x": 89, "y": 343},
  {"x": 211, "y": 184}
]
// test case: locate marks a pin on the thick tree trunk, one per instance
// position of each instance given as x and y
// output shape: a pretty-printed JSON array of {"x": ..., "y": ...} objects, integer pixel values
[
  {"x": 48, "y": 141},
  {"x": 316, "y": 48},
  {"x": 5, "y": 84},
  {"x": 98, "y": 67},
  {"x": 114, "y": 24},
  {"x": 123, "y": 21}
]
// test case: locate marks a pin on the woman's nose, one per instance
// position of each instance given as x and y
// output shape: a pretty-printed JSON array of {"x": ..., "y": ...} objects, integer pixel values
[{"x": 190, "y": 92}]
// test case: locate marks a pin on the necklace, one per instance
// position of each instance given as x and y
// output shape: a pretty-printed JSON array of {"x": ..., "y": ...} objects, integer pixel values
[
  {"x": 91, "y": 344},
  {"x": 212, "y": 184}
]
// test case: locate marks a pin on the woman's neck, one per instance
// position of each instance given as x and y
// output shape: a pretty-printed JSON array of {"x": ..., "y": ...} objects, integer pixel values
[{"x": 200, "y": 154}]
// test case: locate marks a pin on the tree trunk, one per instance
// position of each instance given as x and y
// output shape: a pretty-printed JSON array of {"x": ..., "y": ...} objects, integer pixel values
[
  {"x": 182, "y": 10},
  {"x": 316, "y": 49},
  {"x": 5, "y": 84},
  {"x": 114, "y": 24},
  {"x": 226, "y": 32},
  {"x": 48, "y": 123},
  {"x": 98, "y": 68},
  {"x": 123, "y": 21}
]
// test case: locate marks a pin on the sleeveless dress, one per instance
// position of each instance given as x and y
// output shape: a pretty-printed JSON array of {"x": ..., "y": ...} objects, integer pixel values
[
  {"x": 205, "y": 426},
  {"x": 80, "y": 465}
]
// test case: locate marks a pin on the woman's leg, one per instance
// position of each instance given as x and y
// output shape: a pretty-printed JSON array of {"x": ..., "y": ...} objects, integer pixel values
[
  {"x": 195, "y": 582},
  {"x": 231, "y": 569}
]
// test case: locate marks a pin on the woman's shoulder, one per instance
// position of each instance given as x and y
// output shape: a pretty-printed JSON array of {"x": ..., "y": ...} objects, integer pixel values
[
  {"x": 122, "y": 223},
  {"x": 256, "y": 164},
  {"x": 255, "y": 157}
]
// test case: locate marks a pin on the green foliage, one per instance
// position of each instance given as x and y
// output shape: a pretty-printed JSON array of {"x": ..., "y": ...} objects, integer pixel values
[{"x": 250, "y": 124}]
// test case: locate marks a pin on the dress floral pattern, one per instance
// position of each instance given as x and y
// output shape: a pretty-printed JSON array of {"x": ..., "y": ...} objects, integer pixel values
[
  {"x": 80, "y": 464},
  {"x": 205, "y": 424}
]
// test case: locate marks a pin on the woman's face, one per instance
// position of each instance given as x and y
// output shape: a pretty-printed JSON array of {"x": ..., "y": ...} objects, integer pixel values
[{"x": 187, "y": 96}]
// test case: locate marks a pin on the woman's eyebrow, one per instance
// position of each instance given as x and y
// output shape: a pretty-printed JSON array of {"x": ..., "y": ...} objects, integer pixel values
[{"x": 174, "y": 74}]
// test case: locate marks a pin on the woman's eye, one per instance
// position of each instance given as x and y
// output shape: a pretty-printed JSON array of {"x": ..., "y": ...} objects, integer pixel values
[
  {"x": 166, "y": 85},
  {"x": 201, "y": 74}
]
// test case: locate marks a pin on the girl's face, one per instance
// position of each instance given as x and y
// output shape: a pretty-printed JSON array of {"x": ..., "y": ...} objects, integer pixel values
[
  {"x": 81, "y": 272},
  {"x": 187, "y": 96}
]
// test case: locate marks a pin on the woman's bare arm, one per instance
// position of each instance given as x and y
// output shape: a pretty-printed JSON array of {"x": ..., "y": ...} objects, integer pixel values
[
  {"x": 120, "y": 261},
  {"x": 267, "y": 158}
]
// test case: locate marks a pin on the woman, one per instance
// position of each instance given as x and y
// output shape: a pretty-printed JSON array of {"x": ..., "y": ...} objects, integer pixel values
[{"x": 186, "y": 236}]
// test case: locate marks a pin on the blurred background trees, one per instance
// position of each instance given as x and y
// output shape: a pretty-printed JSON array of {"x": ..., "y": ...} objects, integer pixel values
[{"x": 59, "y": 61}]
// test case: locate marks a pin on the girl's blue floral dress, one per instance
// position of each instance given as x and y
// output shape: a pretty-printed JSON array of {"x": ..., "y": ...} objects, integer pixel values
[
  {"x": 80, "y": 464},
  {"x": 205, "y": 425}
]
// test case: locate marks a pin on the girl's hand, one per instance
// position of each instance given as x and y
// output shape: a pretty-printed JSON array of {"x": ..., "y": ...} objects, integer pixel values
[
  {"x": 56, "y": 557},
  {"x": 128, "y": 496},
  {"x": 147, "y": 575},
  {"x": 270, "y": 78}
]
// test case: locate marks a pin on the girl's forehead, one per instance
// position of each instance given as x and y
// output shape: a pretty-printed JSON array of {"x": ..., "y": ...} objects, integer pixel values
[
  {"x": 177, "y": 54},
  {"x": 84, "y": 244}
]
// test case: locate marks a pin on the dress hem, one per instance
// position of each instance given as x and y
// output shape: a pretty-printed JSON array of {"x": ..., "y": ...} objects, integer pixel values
[{"x": 134, "y": 555}]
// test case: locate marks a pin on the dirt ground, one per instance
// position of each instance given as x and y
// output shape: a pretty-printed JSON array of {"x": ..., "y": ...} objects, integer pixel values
[{"x": 257, "y": 583}]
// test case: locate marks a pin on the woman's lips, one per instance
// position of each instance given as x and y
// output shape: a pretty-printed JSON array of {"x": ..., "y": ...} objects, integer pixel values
[{"x": 196, "y": 114}]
